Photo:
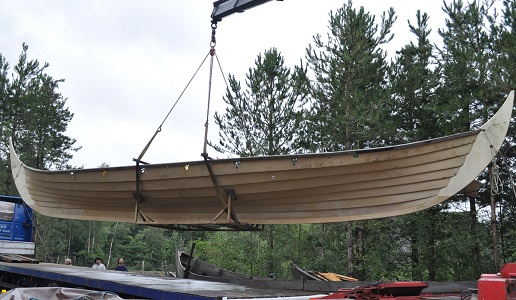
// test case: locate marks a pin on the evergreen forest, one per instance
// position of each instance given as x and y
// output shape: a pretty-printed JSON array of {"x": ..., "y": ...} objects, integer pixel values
[{"x": 346, "y": 93}]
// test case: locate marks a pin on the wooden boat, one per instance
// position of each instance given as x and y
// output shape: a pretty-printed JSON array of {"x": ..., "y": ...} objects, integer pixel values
[
  {"x": 194, "y": 268},
  {"x": 286, "y": 189},
  {"x": 327, "y": 286}
]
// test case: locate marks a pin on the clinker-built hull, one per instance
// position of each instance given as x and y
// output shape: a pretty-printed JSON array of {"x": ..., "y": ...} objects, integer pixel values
[{"x": 286, "y": 189}]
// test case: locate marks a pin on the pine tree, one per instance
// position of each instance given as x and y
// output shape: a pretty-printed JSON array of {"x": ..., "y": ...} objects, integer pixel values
[
  {"x": 34, "y": 116},
  {"x": 470, "y": 91},
  {"x": 505, "y": 66},
  {"x": 350, "y": 90},
  {"x": 264, "y": 119},
  {"x": 414, "y": 80}
]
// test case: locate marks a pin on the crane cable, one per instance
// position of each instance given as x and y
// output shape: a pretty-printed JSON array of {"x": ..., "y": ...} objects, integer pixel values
[
  {"x": 213, "y": 42},
  {"x": 225, "y": 205},
  {"x": 211, "y": 53},
  {"x": 137, "y": 194},
  {"x": 173, "y": 106},
  {"x": 139, "y": 197}
]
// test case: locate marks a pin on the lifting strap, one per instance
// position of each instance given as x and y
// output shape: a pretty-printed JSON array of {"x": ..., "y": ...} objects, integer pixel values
[
  {"x": 226, "y": 206},
  {"x": 138, "y": 195},
  {"x": 173, "y": 106}
]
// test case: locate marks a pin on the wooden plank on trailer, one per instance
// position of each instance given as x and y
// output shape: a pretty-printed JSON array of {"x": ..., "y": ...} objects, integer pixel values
[{"x": 15, "y": 258}]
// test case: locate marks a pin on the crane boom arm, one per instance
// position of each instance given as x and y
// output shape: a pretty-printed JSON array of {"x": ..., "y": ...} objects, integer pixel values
[{"x": 224, "y": 8}]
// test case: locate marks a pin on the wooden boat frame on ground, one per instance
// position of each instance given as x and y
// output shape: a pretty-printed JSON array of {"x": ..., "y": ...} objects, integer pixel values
[
  {"x": 201, "y": 270},
  {"x": 194, "y": 268},
  {"x": 286, "y": 189}
]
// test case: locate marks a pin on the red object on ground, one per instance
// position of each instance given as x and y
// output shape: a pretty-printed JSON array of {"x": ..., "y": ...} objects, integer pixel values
[
  {"x": 407, "y": 290},
  {"x": 498, "y": 286},
  {"x": 509, "y": 270}
]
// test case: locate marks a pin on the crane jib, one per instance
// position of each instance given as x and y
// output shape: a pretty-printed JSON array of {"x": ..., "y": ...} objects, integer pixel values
[{"x": 224, "y": 8}]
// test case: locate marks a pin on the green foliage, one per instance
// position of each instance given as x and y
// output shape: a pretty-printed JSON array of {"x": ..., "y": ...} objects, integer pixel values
[
  {"x": 470, "y": 89},
  {"x": 505, "y": 43},
  {"x": 384, "y": 256},
  {"x": 350, "y": 103},
  {"x": 474, "y": 77},
  {"x": 414, "y": 81},
  {"x": 350, "y": 90},
  {"x": 263, "y": 119},
  {"x": 34, "y": 115},
  {"x": 51, "y": 237},
  {"x": 238, "y": 251}
]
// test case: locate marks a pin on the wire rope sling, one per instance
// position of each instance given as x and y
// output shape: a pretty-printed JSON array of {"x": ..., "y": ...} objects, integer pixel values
[{"x": 138, "y": 195}]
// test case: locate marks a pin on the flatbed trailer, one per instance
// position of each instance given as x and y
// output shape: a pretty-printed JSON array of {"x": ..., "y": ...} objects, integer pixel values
[
  {"x": 134, "y": 285},
  {"x": 130, "y": 285}
]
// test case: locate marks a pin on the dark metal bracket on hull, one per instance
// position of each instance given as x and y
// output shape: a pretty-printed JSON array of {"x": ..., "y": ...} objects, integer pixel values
[
  {"x": 230, "y": 194},
  {"x": 138, "y": 195},
  {"x": 211, "y": 227}
]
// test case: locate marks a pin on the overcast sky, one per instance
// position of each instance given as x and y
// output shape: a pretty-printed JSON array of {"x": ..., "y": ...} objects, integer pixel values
[{"x": 125, "y": 63}]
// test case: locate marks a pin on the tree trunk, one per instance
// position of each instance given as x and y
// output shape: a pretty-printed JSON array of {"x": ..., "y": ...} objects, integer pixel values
[
  {"x": 89, "y": 238},
  {"x": 69, "y": 240},
  {"x": 93, "y": 235},
  {"x": 299, "y": 242},
  {"x": 494, "y": 233},
  {"x": 360, "y": 249},
  {"x": 414, "y": 257},
  {"x": 351, "y": 252},
  {"x": 111, "y": 244},
  {"x": 270, "y": 244},
  {"x": 323, "y": 250},
  {"x": 431, "y": 253},
  {"x": 475, "y": 248},
  {"x": 7, "y": 187}
]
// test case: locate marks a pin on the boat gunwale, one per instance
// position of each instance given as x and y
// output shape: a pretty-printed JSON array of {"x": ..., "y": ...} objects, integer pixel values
[{"x": 268, "y": 157}]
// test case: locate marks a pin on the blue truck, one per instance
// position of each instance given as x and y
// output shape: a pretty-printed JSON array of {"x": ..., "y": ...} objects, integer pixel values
[{"x": 16, "y": 226}]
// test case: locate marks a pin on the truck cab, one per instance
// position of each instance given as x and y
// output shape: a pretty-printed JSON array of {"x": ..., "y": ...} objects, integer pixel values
[{"x": 16, "y": 226}]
